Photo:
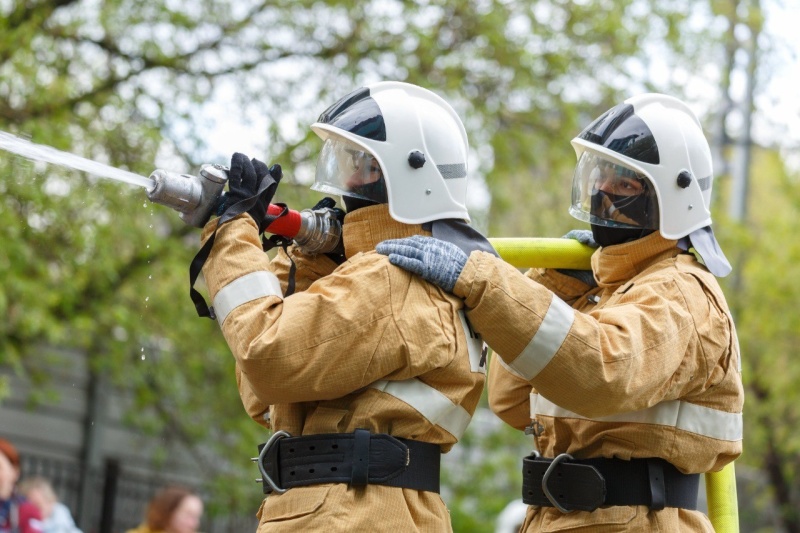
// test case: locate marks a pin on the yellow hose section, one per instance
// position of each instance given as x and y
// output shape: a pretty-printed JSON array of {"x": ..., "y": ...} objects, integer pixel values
[
  {"x": 723, "y": 508},
  {"x": 543, "y": 252}
]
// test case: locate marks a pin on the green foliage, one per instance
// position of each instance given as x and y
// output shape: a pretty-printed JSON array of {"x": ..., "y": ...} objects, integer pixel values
[{"x": 764, "y": 295}]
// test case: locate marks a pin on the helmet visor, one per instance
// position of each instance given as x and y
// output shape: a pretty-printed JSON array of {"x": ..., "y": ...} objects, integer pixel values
[
  {"x": 346, "y": 169},
  {"x": 606, "y": 193}
]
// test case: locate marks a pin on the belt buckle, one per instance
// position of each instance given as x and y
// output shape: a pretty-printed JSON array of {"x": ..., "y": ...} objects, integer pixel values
[
  {"x": 546, "y": 477},
  {"x": 278, "y": 435}
]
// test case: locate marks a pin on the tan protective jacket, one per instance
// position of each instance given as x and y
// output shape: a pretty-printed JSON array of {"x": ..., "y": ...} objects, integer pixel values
[
  {"x": 644, "y": 365},
  {"x": 366, "y": 345}
]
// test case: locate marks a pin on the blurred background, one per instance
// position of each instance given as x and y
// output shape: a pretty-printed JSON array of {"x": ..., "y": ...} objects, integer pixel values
[{"x": 110, "y": 385}]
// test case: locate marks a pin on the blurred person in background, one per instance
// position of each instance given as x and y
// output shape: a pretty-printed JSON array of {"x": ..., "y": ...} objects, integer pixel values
[
  {"x": 56, "y": 516},
  {"x": 17, "y": 514},
  {"x": 173, "y": 509}
]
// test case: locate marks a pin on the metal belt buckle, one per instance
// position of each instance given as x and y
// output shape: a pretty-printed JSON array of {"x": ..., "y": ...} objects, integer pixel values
[
  {"x": 553, "y": 464},
  {"x": 278, "y": 435}
]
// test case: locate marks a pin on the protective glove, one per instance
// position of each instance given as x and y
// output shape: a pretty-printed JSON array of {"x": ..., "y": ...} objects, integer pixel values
[
  {"x": 583, "y": 236},
  {"x": 248, "y": 190},
  {"x": 436, "y": 261}
]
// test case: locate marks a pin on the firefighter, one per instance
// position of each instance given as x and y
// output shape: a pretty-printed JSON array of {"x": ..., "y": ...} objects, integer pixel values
[
  {"x": 366, "y": 374},
  {"x": 628, "y": 376}
]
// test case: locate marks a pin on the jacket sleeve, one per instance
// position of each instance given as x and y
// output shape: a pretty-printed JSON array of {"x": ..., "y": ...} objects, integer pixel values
[
  {"x": 508, "y": 394},
  {"x": 565, "y": 287},
  {"x": 344, "y": 332},
  {"x": 258, "y": 410},
  {"x": 637, "y": 350}
]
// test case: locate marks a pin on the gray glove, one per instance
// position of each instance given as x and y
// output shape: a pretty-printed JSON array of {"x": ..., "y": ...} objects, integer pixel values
[
  {"x": 583, "y": 236},
  {"x": 436, "y": 261}
]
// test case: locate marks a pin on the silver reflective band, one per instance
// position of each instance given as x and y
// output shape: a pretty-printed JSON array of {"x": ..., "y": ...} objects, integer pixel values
[
  {"x": 245, "y": 289},
  {"x": 453, "y": 171},
  {"x": 437, "y": 408},
  {"x": 509, "y": 369},
  {"x": 684, "y": 416},
  {"x": 546, "y": 342}
]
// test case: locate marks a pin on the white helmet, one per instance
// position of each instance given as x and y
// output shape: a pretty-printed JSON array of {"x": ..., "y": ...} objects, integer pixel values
[
  {"x": 417, "y": 141},
  {"x": 655, "y": 146}
]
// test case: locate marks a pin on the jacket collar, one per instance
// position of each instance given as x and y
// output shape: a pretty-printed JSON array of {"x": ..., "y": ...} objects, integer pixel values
[
  {"x": 364, "y": 228},
  {"x": 615, "y": 265}
]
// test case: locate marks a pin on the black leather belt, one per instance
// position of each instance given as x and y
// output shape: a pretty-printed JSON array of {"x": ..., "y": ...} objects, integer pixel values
[
  {"x": 358, "y": 459},
  {"x": 585, "y": 485}
]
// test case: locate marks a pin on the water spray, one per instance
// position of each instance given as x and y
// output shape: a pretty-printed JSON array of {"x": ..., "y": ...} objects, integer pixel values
[
  {"x": 48, "y": 154},
  {"x": 195, "y": 198}
]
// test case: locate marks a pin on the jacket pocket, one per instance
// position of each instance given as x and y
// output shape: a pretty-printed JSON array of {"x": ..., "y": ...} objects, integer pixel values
[
  {"x": 607, "y": 518},
  {"x": 295, "y": 503}
]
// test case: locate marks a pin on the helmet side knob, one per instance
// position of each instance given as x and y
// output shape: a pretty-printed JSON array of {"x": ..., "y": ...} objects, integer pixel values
[
  {"x": 416, "y": 159},
  {"x": 684, "y": 179}
]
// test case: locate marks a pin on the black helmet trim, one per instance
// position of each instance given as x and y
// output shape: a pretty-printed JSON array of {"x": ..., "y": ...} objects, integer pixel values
[
  {"x": 619, "y": 129},
  {"x": 357, "y": 113}
]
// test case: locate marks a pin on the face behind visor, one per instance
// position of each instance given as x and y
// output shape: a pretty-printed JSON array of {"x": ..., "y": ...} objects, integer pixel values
[
  {"x": 607, "y": 193},
  {"x": 347, "y": 170}
]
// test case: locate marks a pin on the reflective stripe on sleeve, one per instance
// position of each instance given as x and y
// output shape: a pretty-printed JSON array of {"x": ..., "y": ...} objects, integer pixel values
[
  {"x": 697, "y": 419},
  {"x": 245, "y": 289},
  {"x": 437, "y": 408},
  {"x": 546, "y": 341}
]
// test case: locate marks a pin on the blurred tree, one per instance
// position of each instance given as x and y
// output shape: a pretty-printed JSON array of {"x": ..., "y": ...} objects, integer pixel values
[
  {"x": 768, "y": 326},
  {"x": 89, "y": 264},
  {"x": 758, "y": 236}
]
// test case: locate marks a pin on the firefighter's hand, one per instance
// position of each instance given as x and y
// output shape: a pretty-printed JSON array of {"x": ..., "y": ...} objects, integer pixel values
[
  {"x": 583, "y": 236},
  {"x": 251, "y": 186},
  {"x": 436, "y": 261}
]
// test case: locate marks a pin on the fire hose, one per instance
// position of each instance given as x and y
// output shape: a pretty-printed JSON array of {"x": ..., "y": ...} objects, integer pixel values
[{"x": 318, "y": 231}]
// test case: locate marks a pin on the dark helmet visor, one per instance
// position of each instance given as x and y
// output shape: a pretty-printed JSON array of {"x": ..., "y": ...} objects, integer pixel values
[
  {"x": 620, "y": 130},
  {"x": 357, "y": 113}
]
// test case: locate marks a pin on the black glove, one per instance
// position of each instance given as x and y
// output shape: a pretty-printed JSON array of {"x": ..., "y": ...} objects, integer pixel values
[{"x": 251, "y": 186}]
